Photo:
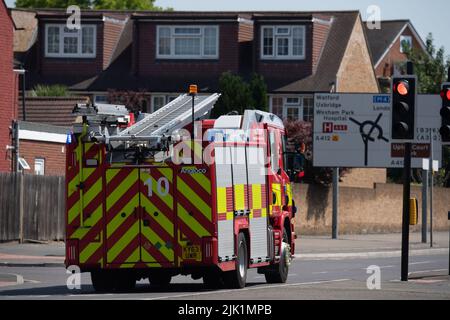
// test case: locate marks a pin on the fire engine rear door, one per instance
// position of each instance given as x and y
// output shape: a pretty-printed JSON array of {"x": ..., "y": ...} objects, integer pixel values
[
  {"x": 157, "y": 216},
  {"x": 122, "y": 217}
]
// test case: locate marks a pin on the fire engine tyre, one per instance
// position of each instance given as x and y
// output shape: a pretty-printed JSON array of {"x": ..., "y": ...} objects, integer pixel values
[
  {"x": 237, "y": 278},
  {"x": 124, "y": 282},
  {"x": 160, "y": 279},
  {"x": 102, "y": 280},
  {"x": 280, "y": 273}
]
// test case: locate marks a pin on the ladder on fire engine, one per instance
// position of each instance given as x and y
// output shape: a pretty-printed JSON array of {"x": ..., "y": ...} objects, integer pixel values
[{"x": 174, "y": 115}]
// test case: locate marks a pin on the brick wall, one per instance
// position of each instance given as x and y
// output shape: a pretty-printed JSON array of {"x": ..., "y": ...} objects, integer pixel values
[
  {"x": 385, "y": 67},
  {"x": 362, "y": 210},
  {"x": 8, "y": 84},
  {"x": 283, "y": 71},
  {"x": 54, "y": 155},
  {"x": 148, "y": 65},
  {"x": 356, "y": 72}
]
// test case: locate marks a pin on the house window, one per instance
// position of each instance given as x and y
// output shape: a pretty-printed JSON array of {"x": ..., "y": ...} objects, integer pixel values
[
  {"x": 62, "y": 42},
  {"x": 188, "y": 42},
  {"x": 101, "y": 98},
  {"x": 289, "y": 42},
  {"x": 308, "y": 109},
  {"x": 158, "y": 102},
  {"x": 277, "y": 106},
  {"x": 39, "y": 166},
  {"x": 405, "y": 42}
]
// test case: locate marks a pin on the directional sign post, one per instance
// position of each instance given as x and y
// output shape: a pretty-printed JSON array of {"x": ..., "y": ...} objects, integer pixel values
[{"x": 353, "y": 131}]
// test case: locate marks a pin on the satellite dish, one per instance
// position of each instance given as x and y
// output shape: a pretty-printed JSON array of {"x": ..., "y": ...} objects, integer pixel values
[{"x": 24, "y": 164}]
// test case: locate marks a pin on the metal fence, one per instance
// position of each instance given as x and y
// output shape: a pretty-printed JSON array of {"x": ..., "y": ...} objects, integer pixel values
[{"x": 31, "y": 207}]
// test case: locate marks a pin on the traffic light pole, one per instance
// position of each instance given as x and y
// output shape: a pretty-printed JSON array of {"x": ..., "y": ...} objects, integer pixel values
[
  {"x": 405, "y": 220},
  {"x": 406, "y": 197}
]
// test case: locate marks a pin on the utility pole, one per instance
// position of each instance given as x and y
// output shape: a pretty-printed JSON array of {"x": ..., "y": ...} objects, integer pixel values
[
  {"x": 425, "y": 178},
  {"x": 335, "y": 219}
]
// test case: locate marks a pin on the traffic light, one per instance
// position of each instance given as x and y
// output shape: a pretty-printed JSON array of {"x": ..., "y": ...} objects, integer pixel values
[
  {"x": 403, "y": 108},
  {"x": 445, "y": 113}
]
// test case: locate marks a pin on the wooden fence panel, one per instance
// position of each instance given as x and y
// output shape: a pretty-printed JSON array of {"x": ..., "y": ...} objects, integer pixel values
[{"x": 43, "y": 207}]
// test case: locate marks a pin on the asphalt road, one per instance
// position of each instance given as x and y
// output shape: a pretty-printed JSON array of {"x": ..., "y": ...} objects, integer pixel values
[{"x": 314, "y": 279}]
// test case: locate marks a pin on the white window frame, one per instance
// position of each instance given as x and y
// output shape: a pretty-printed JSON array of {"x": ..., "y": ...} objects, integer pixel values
[
  {"x": 101, "y": 98},
  {"x": 61, "y": 53},
  {"x": 285, "y": 105},
  {"x": 405, "y": 37},
  {"x": 42, "y": 162},
  {"x": 276, "y": 36},
  {"x": 201, "y": 35}
]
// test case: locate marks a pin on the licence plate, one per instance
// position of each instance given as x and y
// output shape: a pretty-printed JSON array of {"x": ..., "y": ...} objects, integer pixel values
[{"x": 192, "y": 253}]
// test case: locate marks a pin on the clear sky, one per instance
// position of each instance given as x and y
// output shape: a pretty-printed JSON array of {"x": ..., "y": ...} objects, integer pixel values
[{"x": 426, "y": 15}]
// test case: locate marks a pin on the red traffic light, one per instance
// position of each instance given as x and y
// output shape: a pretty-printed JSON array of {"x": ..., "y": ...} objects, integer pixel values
[
  {"x": 445, "y": 94},
  {"x": 402, "y": 87}
]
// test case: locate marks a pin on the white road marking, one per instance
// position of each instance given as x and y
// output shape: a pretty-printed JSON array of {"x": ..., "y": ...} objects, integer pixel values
[
  {"x": 320, "y": 272},
  {"x": 246, "y": 289},
  {"x": 423, "y": 262}
]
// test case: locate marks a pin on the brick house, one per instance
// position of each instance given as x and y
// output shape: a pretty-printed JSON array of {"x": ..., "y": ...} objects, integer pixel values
[
  {"x": 43, "y": 146},
  {"x": 387, "y": 47},
  {"x": 8, "y": 84},
  {"x": 160, "y": 53}
]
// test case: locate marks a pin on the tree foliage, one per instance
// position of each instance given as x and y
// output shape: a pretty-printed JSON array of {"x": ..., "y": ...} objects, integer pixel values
[
  {"x": 430, "y": 67},
  {"x": 238, "y": 95},
  {"x": 302, "y": 132},
  {"x": 90, "y": 4}
]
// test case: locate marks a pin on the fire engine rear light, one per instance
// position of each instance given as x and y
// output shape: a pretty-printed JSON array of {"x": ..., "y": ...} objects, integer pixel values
[
  {"x": 72, "y": 252},
  {"x": 208, "y": 249}
]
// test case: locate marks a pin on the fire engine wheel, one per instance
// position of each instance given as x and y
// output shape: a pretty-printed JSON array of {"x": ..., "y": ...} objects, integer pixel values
[
  {"x": 238, "y": 277},
  {"x": 281, "y": 270},
  {"x": 160, "y": 279},
  {"x": 102, "y": 280},
  {"x": 124, "y": 281}
]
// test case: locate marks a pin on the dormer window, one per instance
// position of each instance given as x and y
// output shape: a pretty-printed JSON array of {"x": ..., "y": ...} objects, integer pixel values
[
  {"x": 187, "y": 42},
  {"x": 62, "y": 42},
  {"x": 283, "y": 42}
]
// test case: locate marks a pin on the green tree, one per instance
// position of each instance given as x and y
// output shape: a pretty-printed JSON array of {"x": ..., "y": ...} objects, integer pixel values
[
  {"x": 94, "y": 4},
  {"x": 258, "y": 89},
  {"x": 430, "y": 67},
  {"x": 235, "y": 95},
  {"x": 83, "y": 4},
  {"x": 238, "y": 95}
]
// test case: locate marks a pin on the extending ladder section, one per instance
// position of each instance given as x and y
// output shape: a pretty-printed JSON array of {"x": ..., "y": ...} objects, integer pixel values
[{"x": 174, "y": 115}]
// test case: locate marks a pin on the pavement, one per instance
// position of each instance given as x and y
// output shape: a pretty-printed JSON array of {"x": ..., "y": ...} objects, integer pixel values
[{"x": 307, "y": 248}]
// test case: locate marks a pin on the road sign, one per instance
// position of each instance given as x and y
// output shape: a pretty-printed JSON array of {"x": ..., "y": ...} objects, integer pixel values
[{"x": 354, "y": 130}]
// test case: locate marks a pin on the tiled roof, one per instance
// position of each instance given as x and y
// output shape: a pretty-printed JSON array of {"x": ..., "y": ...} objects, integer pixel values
[
  {"x": 380, "y": 39},
  {"x": 331, "y": 58},
  {"x": 42, "y": 127},
  {"x": 55, "y": 111}
]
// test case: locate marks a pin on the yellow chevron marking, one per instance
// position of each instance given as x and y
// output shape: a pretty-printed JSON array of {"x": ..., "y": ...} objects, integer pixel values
[
  {"x": 196, "y": 227},
  {"x": 95, "y": 189},
  {"x": 117, "y": 221},
  {"x": 121, "y": 189},
  {"x": 194, "y": 199},
  {"x": 202, "y": 180},
  {"x": 90, "y": 249},
  {"x": 120, "y": 245},
  {"x": 153, "y": 237},
  {"x": 162, "y": 219},
  {"x": 131, "y": 260},
  {"x": 147, "y": 257}
]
